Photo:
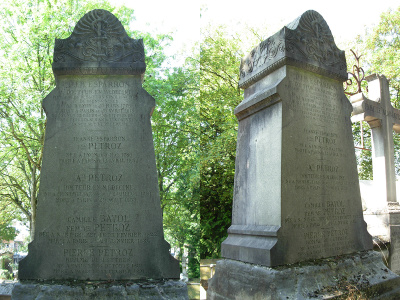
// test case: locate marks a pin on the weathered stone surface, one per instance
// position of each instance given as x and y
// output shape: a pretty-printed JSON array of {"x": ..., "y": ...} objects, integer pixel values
[
  {"x": 363, "y": 273},
  {"x": 99, "y": 214},
  {"x": 296, "y": 193},
  {"x": 174, "y": 290},
  {"x": 6, "y": 287},
  {"x": 307, "y": 43},
  {"x": 99, "y": 45},
  {"x": 375, "y": 211}
]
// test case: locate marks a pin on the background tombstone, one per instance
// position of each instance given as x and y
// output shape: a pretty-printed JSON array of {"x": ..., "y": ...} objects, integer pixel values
[
  {"x": 296, "y": 196},
  {"x": 383, "y": 119},
  {"x": 99, "y": 215}
]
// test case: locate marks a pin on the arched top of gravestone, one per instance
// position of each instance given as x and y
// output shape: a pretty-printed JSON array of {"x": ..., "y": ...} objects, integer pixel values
[
  {"x": 307, "y": 42},
  {"x": 99, "y": 45}
]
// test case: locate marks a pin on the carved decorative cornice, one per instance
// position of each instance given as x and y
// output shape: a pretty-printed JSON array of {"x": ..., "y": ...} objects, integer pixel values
[
  {"x": 307, "y": 42},
  {"x": 99, "y": 45}
]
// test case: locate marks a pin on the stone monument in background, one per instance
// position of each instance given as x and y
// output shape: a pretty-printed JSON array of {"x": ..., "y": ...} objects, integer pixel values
[
  {"x": 99, "y": 216},
  {"x": 382, "y": 208},
  {"x": 296, "y": 195},
  {"x": 383, "y": 119}
]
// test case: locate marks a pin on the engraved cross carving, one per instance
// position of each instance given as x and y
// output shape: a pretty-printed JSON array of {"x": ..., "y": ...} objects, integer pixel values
[
  {"x": 100, "y": 28},
  {"x": 383, "y": 118}
]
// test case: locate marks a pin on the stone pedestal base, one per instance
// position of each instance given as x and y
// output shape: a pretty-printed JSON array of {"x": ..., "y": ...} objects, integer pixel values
[
  {"x": 170, "y": 289},
  {"x": 331, "y": 278}
]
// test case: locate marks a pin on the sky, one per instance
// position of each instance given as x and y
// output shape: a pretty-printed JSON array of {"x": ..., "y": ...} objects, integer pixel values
[{"x": 346, "y": 19}]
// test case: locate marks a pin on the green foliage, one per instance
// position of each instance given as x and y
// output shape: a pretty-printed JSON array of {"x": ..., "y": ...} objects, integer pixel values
[
  {"x": 176, "y": 134},
  {"x": 364, "y": 157},
  {"x": 7, "y": 231},
  {"x": 7, "y": 215},
  {"x": 219, "y": 95},
  {"x": 221, "y": 51},
  {"x": 379, "y": 48},
  {"x": 5, "y": 274},
  {"x": 383, "y": 46},
  {"x": 220, "y": 55}
]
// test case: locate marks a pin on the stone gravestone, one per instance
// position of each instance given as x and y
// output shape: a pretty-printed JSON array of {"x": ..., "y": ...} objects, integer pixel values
[
  {"x": 383, "y": 119},
  {"x": 296, "y": 195},
  {"x": 296, "y": 192},
  {"x": 99, "y": 215}
]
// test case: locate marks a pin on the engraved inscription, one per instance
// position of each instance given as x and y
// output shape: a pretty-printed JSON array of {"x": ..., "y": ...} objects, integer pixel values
[
  {"x": 309, "y": 96},
  {"x": 97, "y": 157},
  {"x": 97, "y": 104},
  {"x": 321, "y": 182}
]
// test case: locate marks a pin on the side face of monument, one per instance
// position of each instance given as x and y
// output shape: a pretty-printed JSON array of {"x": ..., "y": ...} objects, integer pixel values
[
  {"x": 296, "y": 193},
  {"x": 99, "y": 214}
]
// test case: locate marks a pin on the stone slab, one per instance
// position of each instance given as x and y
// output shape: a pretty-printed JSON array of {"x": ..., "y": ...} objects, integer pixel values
[
  {"x": 99, "y": 45},
  {"x": 153, "y": 290},
  {"x": 6, "y": 287},
  {"x": 99, "y": 215},
  {"x": 331, "y": 278},
  {"x": 394, "y": 253}
]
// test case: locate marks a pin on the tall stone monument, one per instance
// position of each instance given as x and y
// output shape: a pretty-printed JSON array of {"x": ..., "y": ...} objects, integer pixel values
[
  {"x": 296, "y": 191},
  {"x": 383, "y": 119},
  {"x": 99, "y": 215},
  {"x": 296, "y": 195}
]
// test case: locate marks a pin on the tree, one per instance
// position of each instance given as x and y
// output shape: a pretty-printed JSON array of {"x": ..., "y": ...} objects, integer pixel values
[
  {"x": 220, "y": 55},
  {"x": 176, "y": 135},
  {"x": 7, "y": 231},
  {"x": 383, "y": 46},
  {"x": 379, "y": 47}
]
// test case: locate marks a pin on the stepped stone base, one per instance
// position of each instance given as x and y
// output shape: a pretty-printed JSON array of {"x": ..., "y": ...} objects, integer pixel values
[
  {"x": 170, "y": 289},
  {"x": 360, "y": 274}
]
